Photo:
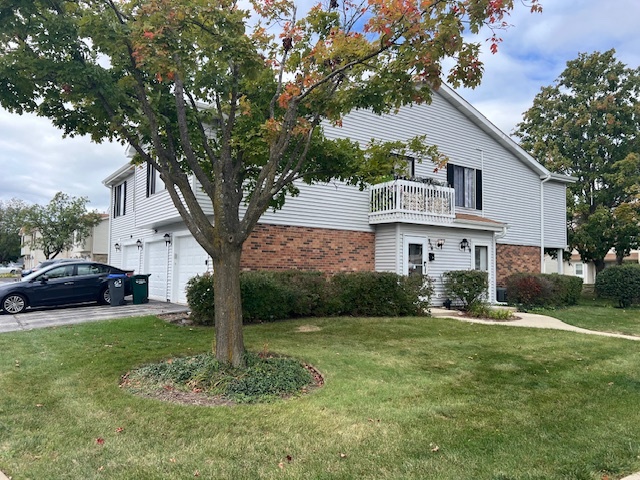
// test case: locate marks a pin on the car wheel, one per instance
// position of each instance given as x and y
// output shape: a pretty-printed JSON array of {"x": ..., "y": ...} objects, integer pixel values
[
  {"x": 14, "y": 303},
  {"x": 105, "y": 297}
]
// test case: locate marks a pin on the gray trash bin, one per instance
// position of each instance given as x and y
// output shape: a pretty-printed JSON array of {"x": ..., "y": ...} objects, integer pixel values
[{"x": 116, "y": 289}]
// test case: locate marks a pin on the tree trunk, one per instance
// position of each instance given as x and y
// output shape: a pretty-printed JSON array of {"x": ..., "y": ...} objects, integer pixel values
[
  {"x": 599, "y": 264},
  {"x": 229, "y": 343}
]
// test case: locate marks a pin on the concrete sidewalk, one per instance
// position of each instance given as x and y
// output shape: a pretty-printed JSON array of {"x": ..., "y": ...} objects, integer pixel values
[
  {"x": 70, "y": 315},
  {"x": 530, "y": 320}
]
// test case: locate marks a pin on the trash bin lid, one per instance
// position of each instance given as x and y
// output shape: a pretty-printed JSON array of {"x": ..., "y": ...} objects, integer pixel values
[{"x": 117, "y": 275}]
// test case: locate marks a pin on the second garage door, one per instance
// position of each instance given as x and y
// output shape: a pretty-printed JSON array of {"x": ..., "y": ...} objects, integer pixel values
[{"x": 190, "y": 260}]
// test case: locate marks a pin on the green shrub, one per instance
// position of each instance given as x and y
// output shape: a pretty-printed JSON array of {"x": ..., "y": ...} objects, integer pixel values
[
  {"x": 566, "y": 289},
  {"x": 268, "y": 296},
  {"x": 308, "y": 291},
  {"x": 466, "y": 286},
  {"x": 619, "y": 282},
  {"x": 543, "y": 290},
  {"x": 482, "y": 310},
  {"x": 264, "y": 297},
  {"x": 379, "y": 294},
  {"x": 200, "y": 299}
]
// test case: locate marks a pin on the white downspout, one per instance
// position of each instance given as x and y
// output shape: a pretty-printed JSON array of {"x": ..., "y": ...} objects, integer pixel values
[{"x": 546, "y": 179}]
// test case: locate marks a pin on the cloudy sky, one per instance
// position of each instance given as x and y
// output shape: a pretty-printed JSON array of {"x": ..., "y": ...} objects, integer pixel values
[{"x": 36, "y": 162}]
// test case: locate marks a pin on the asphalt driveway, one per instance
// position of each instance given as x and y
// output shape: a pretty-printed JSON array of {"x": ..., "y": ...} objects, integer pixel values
[{"x": 69, "y": 315}]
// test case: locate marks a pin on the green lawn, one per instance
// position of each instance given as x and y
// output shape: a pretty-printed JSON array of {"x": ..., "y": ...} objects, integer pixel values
[
  {"x": 415, "y": 398},
  {"x": 600, "y": 315}
]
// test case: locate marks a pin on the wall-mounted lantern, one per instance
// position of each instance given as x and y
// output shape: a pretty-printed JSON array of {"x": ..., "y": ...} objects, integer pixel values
[
  {"x": 440, "y": 243},
  {"x": 117, "y": 247},
  {"x": 464, "y": 245},
  {"x": 167, "y": 239},
  {"x": 139, "y": 244}
]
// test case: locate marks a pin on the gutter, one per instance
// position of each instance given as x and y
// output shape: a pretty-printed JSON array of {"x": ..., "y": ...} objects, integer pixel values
[{"x": 544, "y": 180}]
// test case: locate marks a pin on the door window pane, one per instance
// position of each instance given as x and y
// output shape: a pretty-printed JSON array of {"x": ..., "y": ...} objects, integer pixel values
[
  {"x": 481, "y": 260},
  {"x": 416, "y": 260}
]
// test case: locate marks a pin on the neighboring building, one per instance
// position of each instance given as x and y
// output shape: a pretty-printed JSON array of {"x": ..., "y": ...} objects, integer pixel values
[
  {"x": 95, "y": 247},
  {"x": 587, "y": 270},
  {"x": 493, "y": 208}
]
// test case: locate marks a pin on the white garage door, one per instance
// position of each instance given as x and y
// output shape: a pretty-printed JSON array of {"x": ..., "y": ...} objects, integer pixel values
[
  {"x": 131, "y": 258},
  {"x": 190, "y": 260},
  {"x": 155, "y": 263}
]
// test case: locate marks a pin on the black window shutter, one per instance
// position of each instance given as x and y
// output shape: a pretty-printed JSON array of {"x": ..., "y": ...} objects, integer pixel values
[
  {"x": 478, "y": 189},
  {"x": 450, "y": 175},
  {"x": 115, "y": 202},
  {"x": 124, "y": 198}
]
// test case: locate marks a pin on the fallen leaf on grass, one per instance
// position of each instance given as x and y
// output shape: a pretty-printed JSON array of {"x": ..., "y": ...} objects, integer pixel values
[
  {"x": 281, "y": 465},
  {"x": 100, "y": 441},
  {"x": 434, "y": 448},
  {"x": 343, "y": 455},
  {"x": 119, "y": 430}
]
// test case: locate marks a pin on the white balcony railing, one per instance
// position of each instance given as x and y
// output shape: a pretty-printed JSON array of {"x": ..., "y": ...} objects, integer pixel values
[{"x": 411, "y": 202}]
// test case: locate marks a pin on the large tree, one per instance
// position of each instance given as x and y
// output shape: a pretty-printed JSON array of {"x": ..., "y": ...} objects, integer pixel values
[
  {"x": 236, "y": 94},
  {"x": 588, "y": 125},
  {"x": 11, "y": 221},
  {"x": 60, "y": 225}
]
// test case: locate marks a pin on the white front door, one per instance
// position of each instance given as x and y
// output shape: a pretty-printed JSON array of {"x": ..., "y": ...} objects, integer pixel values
[{"x": 414, "y": 255}]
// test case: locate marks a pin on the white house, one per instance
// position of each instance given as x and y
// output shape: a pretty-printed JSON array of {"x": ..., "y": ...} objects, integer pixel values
[
  {"x": 95, "y": 247},
  {"x": 493, "y": 208},
  {"x": 587, "y": 270}
]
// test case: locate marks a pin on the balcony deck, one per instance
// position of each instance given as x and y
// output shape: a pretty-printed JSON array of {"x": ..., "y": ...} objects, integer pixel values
[{"x": 411, "y": 202}]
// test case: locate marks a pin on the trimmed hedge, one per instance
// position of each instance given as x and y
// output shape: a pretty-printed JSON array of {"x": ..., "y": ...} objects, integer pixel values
[
  {"x": 620, "y": 282},
  {"x": 269, "y": 296},
  {"x": 543, "y": 290}
]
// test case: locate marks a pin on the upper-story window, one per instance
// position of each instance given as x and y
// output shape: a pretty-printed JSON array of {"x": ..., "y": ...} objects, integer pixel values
[
  {"x": 467, "y": 183},
  {"x": 404, "y": 166},
  {"x": 154, "y": 182},
  {"x": 120, "y": 200}
]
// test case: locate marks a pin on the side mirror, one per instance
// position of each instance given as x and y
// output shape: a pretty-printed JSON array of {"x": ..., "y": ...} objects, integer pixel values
[{"x": 44, "y": 279}]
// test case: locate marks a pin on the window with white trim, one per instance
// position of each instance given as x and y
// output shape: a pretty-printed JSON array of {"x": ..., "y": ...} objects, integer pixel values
[
  {"x": 467, "y": 183},
  {"x": 154, "y": 182},
  {"x": 481, "y": 258},
  {"x": 120, "y": 200},
  {"x": 578, "y": 269}
]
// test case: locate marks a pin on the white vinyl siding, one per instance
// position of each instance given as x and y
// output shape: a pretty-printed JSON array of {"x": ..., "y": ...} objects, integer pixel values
[
  {"x": 555, "y": 223},
  {"x": 386, "y": 248},
  {"x": 510, "y": 188}
]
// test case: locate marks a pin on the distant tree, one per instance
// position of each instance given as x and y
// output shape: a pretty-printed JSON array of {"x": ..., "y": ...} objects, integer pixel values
[
  {"x": 236, "y": 94},
  {"x": 11, "y": 220},
  {"x": 588, "y": 125},
  {"x": 60, "y": 224}
]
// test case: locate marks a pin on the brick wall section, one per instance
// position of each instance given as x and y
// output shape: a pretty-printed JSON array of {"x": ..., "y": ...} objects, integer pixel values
[
  {"x": 275, "y": 247},
  {"x": 515, "y": 259}
]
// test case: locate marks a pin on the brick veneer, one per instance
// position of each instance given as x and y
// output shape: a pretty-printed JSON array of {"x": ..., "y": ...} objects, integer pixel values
[
  {"x": 515, "y": 259},
  {"x": 275, "y": 247}
]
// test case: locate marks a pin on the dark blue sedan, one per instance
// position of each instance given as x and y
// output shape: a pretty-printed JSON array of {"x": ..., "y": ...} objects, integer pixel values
[{"x": 60, "y": 284}]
